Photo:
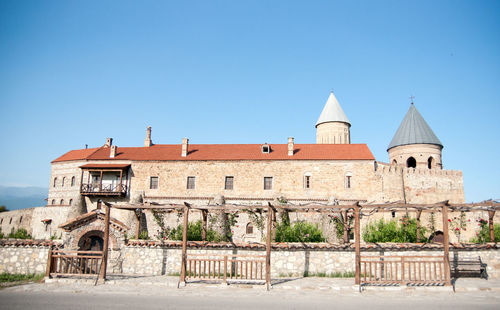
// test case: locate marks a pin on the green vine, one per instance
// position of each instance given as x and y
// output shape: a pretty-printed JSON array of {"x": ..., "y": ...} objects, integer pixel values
[{"x": 159, "y": 218}]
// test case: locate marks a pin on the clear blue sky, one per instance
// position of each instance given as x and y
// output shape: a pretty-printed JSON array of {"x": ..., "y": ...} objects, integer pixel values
[{"x": 75, "y": 72}]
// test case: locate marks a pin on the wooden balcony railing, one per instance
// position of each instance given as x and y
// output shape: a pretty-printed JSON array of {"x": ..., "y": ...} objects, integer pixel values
[{"x": 103, "y": 189}]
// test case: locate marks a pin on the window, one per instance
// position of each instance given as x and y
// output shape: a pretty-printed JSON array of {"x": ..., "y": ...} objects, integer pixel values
[
  {"x": 10, "y": 221},
  {"x": 55, "y": 182},
  {"x": 62, "y": 202},
  {"x": 307, "y": 181},
  {"x": 268, "y": 183},
  {"x": 153, "y": 183},
  {"x": 53, "y": 201},
  {"x": 249, "y": 228},
  {"x": 228, "y": 184},
  {"x": 63, "y": 180},
  {"x": 348, "y": 179},
  {"x": 73, "y": 181},
  {"x": 21, "y": 219},
  {"x": 266, "y": 148},
  {"x": 411, "y": 163},
  {"x": 1, "y": 221},
  {"x": 430, "y": 163},
  {"x": 190, "y": 183},
  {"x": 70, "y": 202}
]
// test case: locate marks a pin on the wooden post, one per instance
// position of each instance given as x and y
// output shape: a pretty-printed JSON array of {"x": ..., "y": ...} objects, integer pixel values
[
  {"x": 120, "y": 185},
  {"x": 273, "y": 233},
  {"x": 491, "y": 215},
  {"x": 49, "y": 262},
  {"x": 137, "y": 223},
  {"x": 357, "y": 233},
  {"x": 419, "y": 213},
  {"x": 104, "y": 263},
  {"x": 204, "y": 214},
  {"x": 446, "y": 245},
  {"x": 100, "y": 183},
  {"x": 268, "y": 246},
  {"x": 346, "y": 223},
  {"x": 81, "y": 181},
  {"x": 184, "y": 244}
]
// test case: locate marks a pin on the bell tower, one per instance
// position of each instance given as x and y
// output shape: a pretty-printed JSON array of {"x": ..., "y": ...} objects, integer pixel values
[{"x": 333, "y": 127}]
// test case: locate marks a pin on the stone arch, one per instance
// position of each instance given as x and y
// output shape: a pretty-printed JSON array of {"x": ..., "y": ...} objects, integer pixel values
[
  {"x": 95, "y": 231},
  {"x": 411, "y": 162},
  {"x": 91, "y": 241},
  {"x": 249, "y": 228}
]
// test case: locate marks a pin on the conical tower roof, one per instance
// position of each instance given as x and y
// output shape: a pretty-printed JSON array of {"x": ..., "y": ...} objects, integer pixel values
[
  {"x": 332, "y": 112},
  {"x": 414, "y": 130}
]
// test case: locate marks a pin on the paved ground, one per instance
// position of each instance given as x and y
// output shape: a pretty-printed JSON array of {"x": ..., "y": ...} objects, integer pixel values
[{"x": 305, "y": 293}]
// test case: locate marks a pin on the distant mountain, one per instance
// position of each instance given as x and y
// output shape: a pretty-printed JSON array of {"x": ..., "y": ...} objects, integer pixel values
[{"x": 15, "y": 198}]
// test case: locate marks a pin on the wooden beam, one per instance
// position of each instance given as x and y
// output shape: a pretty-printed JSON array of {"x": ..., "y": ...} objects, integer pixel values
[
  {"x": 268, "y": 246},
  {"x": 184, "y": 244},
  {"x": 446, "y": 245},
  {"x": 491, "y": 215},
  {"x": 357, "y": 241},
  {"x": 104, "y": 264},
  {"x": 49, "y": 262}
]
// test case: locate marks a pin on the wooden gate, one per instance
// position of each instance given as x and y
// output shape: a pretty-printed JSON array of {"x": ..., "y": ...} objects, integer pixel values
[
  {"x": 424, "y": 270},
  {"x": 71, "y": 263},
  {"x": 230, "y": 267}
]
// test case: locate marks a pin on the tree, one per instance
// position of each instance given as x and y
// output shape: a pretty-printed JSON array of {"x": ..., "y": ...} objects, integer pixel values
[{"x": 3, "y": 209}]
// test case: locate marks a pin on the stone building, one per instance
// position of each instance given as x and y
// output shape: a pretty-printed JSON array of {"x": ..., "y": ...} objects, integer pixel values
[{"x": 332, "y": 170}]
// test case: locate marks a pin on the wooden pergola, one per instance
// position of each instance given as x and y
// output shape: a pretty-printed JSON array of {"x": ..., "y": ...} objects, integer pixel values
[{"x": 366, "y": 210}]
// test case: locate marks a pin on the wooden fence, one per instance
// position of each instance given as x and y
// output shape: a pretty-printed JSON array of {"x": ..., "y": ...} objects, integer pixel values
[
  {"x": 212, "y": 267},
  {"x": 71, "y": 263},
  {"x": 424, "y": 270}
]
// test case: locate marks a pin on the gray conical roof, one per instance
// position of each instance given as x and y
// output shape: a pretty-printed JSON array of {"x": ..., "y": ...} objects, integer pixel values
[
  {"x": 332, "y": 112},
  {"x": 414, "y": 130}
]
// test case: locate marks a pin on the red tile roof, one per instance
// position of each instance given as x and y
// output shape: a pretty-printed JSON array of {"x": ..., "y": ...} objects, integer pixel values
[{"x": 225, "y": 152}]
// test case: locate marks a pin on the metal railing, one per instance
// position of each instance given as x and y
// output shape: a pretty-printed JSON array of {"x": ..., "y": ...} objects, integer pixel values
[
  {"x": 403, "y": 270},
  {"x": 230, "y": 267}
]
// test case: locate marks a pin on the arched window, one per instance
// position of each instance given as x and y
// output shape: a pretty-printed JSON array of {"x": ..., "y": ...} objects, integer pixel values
[
  {"x": 411, "y": 163},
  {"x": 430, "y": 162},
  {"x": 53, "y": 201},
  {"x": 21, "y": 219},
  {"x": 62, "y": 202},
  {"x": 72, "y": 181},
  {"x": 70, "y": 202},
  {"x": 55, "y": 182},
  {"x": 395, "y": 162},
  {"x": 249, "y": 229},
  {"x": 63, "y": 180}
]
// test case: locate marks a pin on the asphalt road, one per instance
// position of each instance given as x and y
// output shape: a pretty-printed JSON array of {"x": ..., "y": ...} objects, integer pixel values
[{"x": 237, "y": 298}]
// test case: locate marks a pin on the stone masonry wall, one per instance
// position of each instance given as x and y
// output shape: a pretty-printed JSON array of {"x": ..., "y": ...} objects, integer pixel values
[{"x": 26, "y": 259}]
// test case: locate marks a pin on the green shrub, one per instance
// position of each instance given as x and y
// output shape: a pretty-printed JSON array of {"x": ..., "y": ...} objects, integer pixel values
[
  {"x": 21, "y": 233},
  {"x": 194, "y": 233},
  {"x": 300, "y": 232},
  {"x": 144, "y": 235},
  {"x": 483, "y": 235},
  {"x": 15, "y": 277},
  {"x": 405, "y": 231}
]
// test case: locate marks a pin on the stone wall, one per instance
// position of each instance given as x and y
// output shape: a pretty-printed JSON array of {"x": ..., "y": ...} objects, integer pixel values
[{"x": 23, "y": 257}]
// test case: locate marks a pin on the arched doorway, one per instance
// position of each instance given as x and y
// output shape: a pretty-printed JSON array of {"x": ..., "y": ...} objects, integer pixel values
[
  {"x": 430, "y": 163},
  {"x": 91, "y": 241}
]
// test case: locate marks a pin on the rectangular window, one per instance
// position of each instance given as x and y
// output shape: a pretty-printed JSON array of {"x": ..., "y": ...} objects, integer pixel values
[
  {"x": 153, "y": 183},
  {"x": 190, "y": 183},
  {"x": 228, "y": 184},
  {"x": 268, "y": 182},
  {"x": 307, "y": 181},
  {"x": 348, "y": 181}
]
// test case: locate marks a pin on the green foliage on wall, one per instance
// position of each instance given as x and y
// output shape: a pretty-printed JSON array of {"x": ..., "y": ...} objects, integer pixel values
[{"x": 392, "y": 231}]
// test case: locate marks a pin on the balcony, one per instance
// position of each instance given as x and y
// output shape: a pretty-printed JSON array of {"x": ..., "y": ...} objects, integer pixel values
[
  {"x": 104, "y": 180},
  {"x": 103, "y": 190}
]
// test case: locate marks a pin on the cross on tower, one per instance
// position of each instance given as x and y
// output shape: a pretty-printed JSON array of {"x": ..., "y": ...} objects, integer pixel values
[{"x": 411, "y": 98}]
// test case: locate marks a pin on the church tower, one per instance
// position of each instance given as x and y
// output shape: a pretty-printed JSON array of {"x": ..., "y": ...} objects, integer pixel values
[
  {"x": 333, "y": 127},
  {"x": 415, "y": 145}
]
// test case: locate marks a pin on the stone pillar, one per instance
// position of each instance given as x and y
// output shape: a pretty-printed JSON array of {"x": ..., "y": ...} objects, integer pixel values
[
  {"x": 221, "y": 222},
  {"x": 148, "y": 142}
]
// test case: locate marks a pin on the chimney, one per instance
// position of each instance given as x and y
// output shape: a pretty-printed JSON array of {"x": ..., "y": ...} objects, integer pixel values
[
  {"x": 147, "y": 141},
  {"x": 290, "y": 146},
  {"x": 185, "y": 143},
  {"x": 109, "y": 142},
  {"x": 112, "y": 152}
]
